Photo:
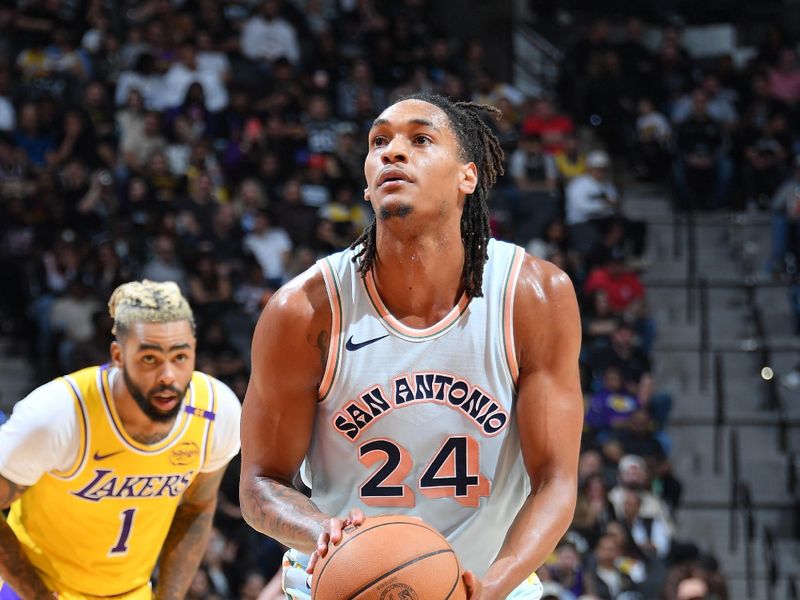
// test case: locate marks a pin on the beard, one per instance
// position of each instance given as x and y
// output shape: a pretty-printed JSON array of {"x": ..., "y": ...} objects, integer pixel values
[
  {"x": 145, "y": 404},
  {"x": 401, "y": 212}
]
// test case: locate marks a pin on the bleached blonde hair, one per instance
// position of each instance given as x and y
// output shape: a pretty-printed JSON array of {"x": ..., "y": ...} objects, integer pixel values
[{"x": 147, "y": 302}]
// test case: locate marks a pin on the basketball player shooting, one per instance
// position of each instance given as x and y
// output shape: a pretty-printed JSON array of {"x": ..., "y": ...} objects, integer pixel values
[
  {"x": 108, "y": 467},
  {"x": 429, "y": 370}
]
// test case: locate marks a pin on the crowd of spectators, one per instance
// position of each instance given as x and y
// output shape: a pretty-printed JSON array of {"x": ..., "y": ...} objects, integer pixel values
[{"x": 220, "y": 145}]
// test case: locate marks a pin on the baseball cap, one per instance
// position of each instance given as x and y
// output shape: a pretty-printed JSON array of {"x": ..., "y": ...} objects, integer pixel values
[
  {"x": 597, "y": 159},
  {"x": 631, "y": 460}
]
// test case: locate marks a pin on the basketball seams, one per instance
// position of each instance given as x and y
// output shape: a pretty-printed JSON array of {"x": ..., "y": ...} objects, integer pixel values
[
  {"x": 361, "y": 530},
  {"x": 408, "y": 563}
]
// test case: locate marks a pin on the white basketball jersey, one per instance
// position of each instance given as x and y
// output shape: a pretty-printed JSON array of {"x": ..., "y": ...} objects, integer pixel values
[{"x": 422, "y": 421}]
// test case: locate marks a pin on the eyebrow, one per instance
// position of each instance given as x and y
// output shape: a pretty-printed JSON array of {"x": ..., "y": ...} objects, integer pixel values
[
  {"x": 424, "y": 122},
  {"x": 146, "y": 346}
]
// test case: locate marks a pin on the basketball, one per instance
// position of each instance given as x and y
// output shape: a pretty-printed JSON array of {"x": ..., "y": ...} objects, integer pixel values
[{"x": 389, "y": 557}]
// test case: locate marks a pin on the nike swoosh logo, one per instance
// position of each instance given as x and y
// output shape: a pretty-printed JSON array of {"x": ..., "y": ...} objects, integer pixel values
[
  {"x": 98, "y": 456},
  {"x": 351, "y": 346}
]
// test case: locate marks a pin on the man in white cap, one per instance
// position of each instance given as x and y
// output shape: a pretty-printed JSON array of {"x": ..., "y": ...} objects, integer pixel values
[{"x": 592, "y": 202}]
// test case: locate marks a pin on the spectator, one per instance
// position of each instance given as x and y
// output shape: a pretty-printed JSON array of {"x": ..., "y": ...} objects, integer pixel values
[
  {"x": 652, "y": 536},
  {"x": 593, "y": 511},
  {"x": 590, "y": 201},
  {"x": 164, "y": 265},
  {"x": 270, "y": 245},
  {"x": 72, "y": 317},
  {"x": 785, "y": 222},
  {"x": 605, "y": 580},
  {"x": 720, "y": 104},
  {"x": 8, "y": 116},
  {"x": 268, "y": 36},
  {"x": 187, "y": 71},
  {"x": 702, "y": 567},
  {"x": 621, "y": 285},
  {"x": 702, "y": 166},
  {"x": 549, "y": 125},
  {"x": 210, "y": 288},
  {"x": 93, "y": 351},
  {"x": 30, "y": 137},
  {"x": 140, "y": 144},
  {"x": 784, "y": 79},
  {"x": 565, "y": 570},
  {"x": 570, "y": 161},
  {"x": 653, "y": 139},
  {"x": 535, "y": 176},
  {"x": 632, "y": 475},
  {"x": 611, "y": 407},
  {"x": 765, "y": 156}
]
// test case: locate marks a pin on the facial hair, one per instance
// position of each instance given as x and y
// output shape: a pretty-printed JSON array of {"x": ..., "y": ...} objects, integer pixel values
[
  {"x": 144, "y": 403},
  {"x": 401, "y": 212}
]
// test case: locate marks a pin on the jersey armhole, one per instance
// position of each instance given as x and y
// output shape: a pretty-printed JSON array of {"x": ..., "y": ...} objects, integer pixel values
[
  {"x": 211, "y": 409},
  {"x": 334, "y": 350},
  {"x": 509, "y": 291},
  {"x": 83, "y": 432}
]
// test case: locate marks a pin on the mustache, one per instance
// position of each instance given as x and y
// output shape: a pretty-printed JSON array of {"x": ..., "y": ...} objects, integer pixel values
[{"x": 164, "y": 388}]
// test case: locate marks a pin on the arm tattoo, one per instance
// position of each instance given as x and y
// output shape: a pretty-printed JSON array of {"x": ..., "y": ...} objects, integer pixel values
[
  {"x": 283, "y": 513},
  {"x": 16, "y": 569},
  {"x": 188, "y": 537}
]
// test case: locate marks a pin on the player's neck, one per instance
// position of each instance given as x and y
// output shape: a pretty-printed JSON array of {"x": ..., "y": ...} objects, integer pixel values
[
  {"x": 419, "y": 279},
  {"x": 136, "y": 424}
]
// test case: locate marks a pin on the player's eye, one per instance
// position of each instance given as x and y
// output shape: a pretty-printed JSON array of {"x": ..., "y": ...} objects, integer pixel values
[
  {"x": 380, "y": 140},
  {"x": 422, "y": 139},
  {"x": 182, "y": 358},
  {"x": 149, "y": 359}
]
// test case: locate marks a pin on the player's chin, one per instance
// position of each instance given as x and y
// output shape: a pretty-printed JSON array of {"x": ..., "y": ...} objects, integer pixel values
[{"x": 395, "y": 208}]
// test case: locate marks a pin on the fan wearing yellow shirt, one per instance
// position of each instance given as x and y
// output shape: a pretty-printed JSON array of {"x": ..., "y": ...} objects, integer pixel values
[{"x": 112, "y": 468}]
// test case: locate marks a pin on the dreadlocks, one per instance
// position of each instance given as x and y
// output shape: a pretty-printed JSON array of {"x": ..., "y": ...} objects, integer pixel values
[{"x": 476, "y": 144}]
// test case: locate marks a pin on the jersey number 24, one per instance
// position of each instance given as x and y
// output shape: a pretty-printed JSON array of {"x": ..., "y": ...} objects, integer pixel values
[{"x": 452, "y": 472}]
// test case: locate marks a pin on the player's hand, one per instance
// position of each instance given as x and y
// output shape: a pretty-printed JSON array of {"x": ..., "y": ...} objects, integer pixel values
[
  {"x": 332, "y": 534},
  {"x": 473, "y": 585}
]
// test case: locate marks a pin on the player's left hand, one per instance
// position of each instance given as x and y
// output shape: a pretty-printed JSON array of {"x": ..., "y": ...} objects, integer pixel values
[
  {"x": 332, "y": 534},
  {"x": 473, "y": 585}
]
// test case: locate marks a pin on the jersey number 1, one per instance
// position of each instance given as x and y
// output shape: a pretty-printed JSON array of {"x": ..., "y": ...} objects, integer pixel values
[
  {"x": 121, "y": 547},
  {"x": 453, "y": 472}
]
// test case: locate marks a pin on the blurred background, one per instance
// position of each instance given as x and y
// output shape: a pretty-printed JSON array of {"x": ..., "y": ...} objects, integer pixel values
[{"x": 652, "y": 152}]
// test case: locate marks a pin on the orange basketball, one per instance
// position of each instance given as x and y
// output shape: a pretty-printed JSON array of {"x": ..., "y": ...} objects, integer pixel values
[{"x": 390, "y": 557}]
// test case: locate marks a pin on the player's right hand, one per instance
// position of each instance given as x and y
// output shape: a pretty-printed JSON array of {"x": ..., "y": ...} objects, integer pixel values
[{"x": 332, "y": 534}]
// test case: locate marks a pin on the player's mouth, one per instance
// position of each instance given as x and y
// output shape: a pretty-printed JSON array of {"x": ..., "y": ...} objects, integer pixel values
[
  {"x": 165, "y": 400},
  {"x": 392, "y": 177}
]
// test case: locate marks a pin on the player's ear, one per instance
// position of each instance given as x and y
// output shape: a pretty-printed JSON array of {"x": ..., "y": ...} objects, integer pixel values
[
  {"x": 468, "y": 180},
  {"x": 366, "y": 194},
  {"x": 116, "y": 354}
]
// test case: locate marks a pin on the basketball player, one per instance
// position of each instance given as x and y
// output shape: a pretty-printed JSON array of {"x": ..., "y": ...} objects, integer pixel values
[
  {"x": 428, "y": 371},
  {"x": 109, "y": 466}
]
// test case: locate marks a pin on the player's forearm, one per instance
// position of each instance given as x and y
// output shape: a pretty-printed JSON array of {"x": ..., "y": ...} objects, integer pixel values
[
  {"x": 536, "y": 530},
  {"x": 183, "y": 550},
  {"x": 16, "y": 569},
  {"x": 278, "y": 510}
]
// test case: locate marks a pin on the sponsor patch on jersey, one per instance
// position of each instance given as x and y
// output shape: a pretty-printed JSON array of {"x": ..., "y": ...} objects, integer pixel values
[{"x": 184, "y": 453}]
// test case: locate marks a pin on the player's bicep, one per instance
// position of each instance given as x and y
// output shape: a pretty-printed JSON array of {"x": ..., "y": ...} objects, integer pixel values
[
  {"x": 550, "y": 402},
  {"x": 288, "y": 356},
  {"x": 9, "y": 491}
]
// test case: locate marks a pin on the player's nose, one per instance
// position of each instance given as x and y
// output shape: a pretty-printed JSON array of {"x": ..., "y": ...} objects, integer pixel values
[
  {"x": 167, "y": 375},
  {"x": 395, "y": 151}
]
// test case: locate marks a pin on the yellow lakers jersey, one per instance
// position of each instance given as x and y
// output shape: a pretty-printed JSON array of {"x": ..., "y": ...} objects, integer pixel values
[{"x": 97, "y": 528}]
